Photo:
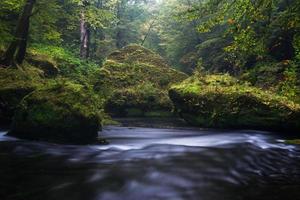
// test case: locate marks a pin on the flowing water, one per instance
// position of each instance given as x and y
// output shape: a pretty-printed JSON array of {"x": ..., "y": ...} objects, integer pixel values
[{"x": 153, "y": 163}]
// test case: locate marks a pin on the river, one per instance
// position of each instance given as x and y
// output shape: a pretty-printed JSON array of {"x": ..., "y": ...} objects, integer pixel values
[{"x": 153, "y": 163}]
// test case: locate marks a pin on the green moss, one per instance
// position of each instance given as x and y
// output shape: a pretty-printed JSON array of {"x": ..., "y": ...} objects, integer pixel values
[
  {"x": 135, "y": 101},
  {"x": 158, "y": 113},
  {"x": 138, "y": 54},
  {"x": 136, "y": 78},
  {"x": 115, "y": 75},
  {"x": 134, "y": 112},
  {"x": 43, "y": 101},
  {"x": 43, "y": 67},
  {"x": 280, "y": 77},
  {"x": 68, "y": 64},
  {"x": 16, "y": 83},
  {"x": 45, "y": 63},
  {"x": 265, "y": 74},
  {"x": 222, "y": 101},
  {"x": 110, "y": 122},
  {"x": 63, "y": 112},
  {"x": 296, "y": 141}
]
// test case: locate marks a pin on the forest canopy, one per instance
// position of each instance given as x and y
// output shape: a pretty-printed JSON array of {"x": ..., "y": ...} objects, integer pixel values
[{"x": 174, "y": 28}]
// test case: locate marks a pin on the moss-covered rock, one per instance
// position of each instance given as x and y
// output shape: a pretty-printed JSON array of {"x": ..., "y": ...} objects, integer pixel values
[
  {"x": 45, "y": 63},
  {"x": 63, "y": 112},
  {"x": 136, "y": 81},
  {"x": 16, "y": 83},
  {"x": 137, "y": 54},
  {"x": 40, "y": 68},
  {"x": 223, "y": 102},
  {"x": 141, "y": 100}
]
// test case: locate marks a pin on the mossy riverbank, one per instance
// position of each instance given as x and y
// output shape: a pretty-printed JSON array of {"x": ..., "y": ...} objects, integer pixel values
[
  {"x": 221, "y": 101},
  {"x": 57, "y": 98}
]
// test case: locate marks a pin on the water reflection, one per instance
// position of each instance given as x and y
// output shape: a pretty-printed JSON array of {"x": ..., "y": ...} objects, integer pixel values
[{"x": 150, "y": 163}]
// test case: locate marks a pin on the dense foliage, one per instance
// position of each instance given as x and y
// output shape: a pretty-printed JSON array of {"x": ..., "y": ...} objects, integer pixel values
[{"x": 254, "y": 40}]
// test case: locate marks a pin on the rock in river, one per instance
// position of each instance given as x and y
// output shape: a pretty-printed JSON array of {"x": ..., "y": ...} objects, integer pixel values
[
  {"x": 64, "y": 112},
  {"x": 221, "y": 101}
]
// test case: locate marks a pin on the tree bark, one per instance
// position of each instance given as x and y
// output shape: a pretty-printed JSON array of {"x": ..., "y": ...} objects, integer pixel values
[
  {"x": 84, "y": 37},
  {"x": 23, "y": 44},
  {"x": 20, "y": 36},
  {"x": 148, "y": 32}
]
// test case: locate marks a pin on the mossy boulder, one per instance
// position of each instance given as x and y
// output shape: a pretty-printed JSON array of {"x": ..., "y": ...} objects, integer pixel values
[
  {"x": 39, "y": 69},
  {"x": 16, "y": 83},
  {"x": 220, "y": 101},
  {"x": 45, "y": 63},
  {"x": 64, "y": 112},
  {"x": 142, "y": 100},
  {"x": 136, "y": 81},
  {"x": 138, "y": 54}
]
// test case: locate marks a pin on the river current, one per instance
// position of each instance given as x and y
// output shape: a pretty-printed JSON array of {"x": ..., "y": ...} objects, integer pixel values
[{"x": 153, "y": 163}]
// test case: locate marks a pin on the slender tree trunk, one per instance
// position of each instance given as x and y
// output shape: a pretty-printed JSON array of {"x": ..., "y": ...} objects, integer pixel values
[
  {"x": 120, "y": 39},
  {"x": 84, "y": 37},
  {"x": 23, "y": 44},
  {"x": 99, "y": 4},
  {"x": 20, "y": 36},
  {"x": 148, "y": 32}
]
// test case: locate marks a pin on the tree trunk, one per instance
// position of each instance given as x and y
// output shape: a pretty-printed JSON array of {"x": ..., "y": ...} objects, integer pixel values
[
  {"x": 84, "y": 37},
  {"x": 20, "y": 36},
  {"x": 120, "y": 38},
  {"x": 148, "y": 32},
  {"x": 23, "y": 44},
  {"x": 99, "y": 4}
]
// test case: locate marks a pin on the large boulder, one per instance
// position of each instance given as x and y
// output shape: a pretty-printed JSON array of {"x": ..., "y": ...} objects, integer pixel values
[
  {"x": 15, "y": 85},
  {"x": 136, "y": 81},
  {"x": 64, "y": 112},
  {"x": 220, "y": 101}
]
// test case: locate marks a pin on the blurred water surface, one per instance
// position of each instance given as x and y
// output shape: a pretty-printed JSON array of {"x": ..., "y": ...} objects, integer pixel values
[{"x": 153, "y": 163}]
